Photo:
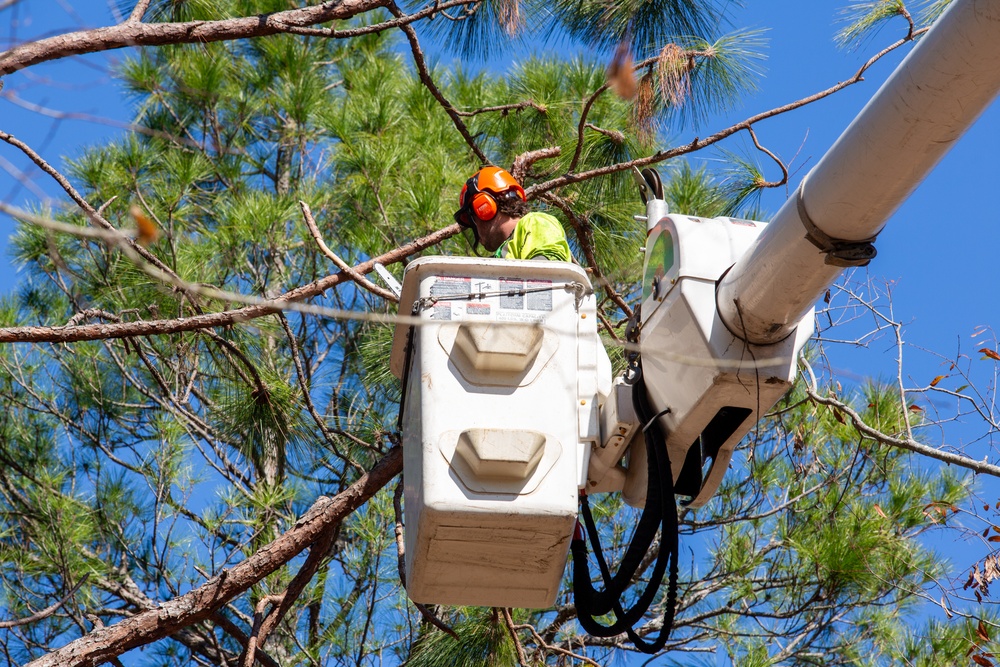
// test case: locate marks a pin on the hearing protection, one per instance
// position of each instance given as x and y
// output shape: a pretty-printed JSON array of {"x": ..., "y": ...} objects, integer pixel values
[{"x": 479, "y": 196}]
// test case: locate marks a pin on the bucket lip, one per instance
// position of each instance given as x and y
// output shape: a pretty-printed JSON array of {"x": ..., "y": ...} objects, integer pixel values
[{"x": 472, "y": 267}]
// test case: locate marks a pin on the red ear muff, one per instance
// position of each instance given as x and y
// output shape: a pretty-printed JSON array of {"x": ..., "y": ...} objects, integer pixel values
[{"x": 484, "y": 206}]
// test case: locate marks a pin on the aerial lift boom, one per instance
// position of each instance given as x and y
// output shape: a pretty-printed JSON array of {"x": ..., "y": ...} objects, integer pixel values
[{"x": 506, "y": 414}]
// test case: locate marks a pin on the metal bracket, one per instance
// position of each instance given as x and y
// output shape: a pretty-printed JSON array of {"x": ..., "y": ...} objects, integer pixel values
[{"x": 839, "y": 252}]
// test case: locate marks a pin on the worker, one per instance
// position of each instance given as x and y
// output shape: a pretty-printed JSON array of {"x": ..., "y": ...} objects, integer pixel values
[{"x": 494, "y": 207}]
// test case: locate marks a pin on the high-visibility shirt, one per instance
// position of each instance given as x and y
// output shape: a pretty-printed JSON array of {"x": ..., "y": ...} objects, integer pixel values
[{"x": 537, "y": 236}]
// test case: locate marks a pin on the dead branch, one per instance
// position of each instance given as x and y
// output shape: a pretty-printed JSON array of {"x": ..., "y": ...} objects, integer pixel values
[
  {"x": 504, "y": 109},
  {"x": 341, "y": 264},
  {"x": 524, "y": 161},
  {"x": 255, "y": 638},
  {"x": 138, "y": 11},
  {"x": 777, "y": 160},
  {"x": 522, "y": 659},
  {"x": 552, "y": 647},
  {"x": 429, "y": 12}
]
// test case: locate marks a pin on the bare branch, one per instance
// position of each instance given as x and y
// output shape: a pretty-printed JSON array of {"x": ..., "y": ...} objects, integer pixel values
[
  {"x": 583, "y": 235},
  {"x": 303, "y": 387},
  {"x": 45, "y": 613},
  {"x": 341, "y": 264},
  {"x": 505, "y": 108},
  {"x": 903, "y": 443},
  {"x": 555, "y": 649},
  {"x": 524, "y": 161},
  {"x": 522, "y": 659},
  {"x": 135, "y": 33},
  {"x": 428, "y": 81},
  {"x": 781, "y": 165},
  {"x": 236, "y": 633}
]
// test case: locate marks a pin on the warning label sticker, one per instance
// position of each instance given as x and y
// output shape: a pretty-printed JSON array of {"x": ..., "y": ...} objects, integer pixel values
[
  {"x": 450, "y": 286},
  {"x": 512, "y": 297},
  {"x": 442, "y": 311},
  {"x": 541, "y": 299},
  {"x": 477, "y": 308}
]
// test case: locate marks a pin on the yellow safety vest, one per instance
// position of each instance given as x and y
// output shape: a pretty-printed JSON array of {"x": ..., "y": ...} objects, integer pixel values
[{"x": 537, "y": 236}]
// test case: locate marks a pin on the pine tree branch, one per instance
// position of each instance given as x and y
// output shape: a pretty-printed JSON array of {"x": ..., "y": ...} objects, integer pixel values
[
  {"x": 135, "y": 33},
  {"x": 904, "y": 443},
  {"x": 777, "y": 160},
  {"x": 428, "y": 12},
  {"x": 138, "y": 11},
  {"x": 523, "y": 162},
  {"x": 94, "y": 215},
  {"x": 234, "y": 631},
  {"x": 202, "y": 603},
  {"x": 583, "y": 235},
  {"x": 307, "y": 398},
  {"x": 44, "y": 613},
  {"x": 908, "y": 444},
  {"x": 428, "y": 81},
  {"x": 341, "y": 264},
  {"x": 698, "y": 143},
  {"x": 505, "y": 108},
  {"x": 221, "y": 319}
]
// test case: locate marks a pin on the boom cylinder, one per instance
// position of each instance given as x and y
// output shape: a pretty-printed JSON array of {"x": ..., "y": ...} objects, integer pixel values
[{"x": 932, "y": 98}]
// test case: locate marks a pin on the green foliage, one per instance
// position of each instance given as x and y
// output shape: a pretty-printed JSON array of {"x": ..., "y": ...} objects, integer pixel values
[
  {"x": 726, "y": 71},
  {"x": 865, "y": 19},
  {"x": 483, "y": 641},
  {"x": 650, "y": 25}
]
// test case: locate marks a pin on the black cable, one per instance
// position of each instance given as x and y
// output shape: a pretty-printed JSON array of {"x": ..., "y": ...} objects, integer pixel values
[{"x": 660, "y": 511}]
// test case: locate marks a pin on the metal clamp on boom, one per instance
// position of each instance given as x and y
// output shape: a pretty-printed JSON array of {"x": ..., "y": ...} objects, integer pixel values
[{"x": 839, "y": 252}]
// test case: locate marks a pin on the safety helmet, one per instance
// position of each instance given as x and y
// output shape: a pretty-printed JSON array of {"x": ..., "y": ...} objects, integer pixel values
[{"x": 478, "y": 199}]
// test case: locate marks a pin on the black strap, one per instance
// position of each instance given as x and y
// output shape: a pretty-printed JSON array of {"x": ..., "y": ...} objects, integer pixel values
[{"x": 839, "y": 252}]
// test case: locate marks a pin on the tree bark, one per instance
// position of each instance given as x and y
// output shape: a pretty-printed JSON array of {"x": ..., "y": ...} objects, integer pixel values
[{"x": 192, "y": 32}]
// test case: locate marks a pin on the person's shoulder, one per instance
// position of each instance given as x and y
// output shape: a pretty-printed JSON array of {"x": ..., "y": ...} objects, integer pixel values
[{"x": 540, "y": 218}]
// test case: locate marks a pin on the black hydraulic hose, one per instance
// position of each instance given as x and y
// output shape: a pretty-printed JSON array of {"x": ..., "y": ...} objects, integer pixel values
[
  {"x": 661, "y": 510},
  {"x": 602, "y": 602}
]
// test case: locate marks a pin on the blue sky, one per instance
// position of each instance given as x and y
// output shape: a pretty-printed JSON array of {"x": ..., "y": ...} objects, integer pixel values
[{"x": 938, "y": 252}]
